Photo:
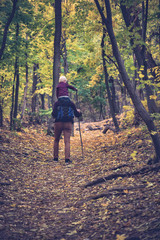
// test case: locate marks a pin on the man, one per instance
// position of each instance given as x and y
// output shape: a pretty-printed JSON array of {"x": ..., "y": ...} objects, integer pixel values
[{"x": 64, "y": 111}]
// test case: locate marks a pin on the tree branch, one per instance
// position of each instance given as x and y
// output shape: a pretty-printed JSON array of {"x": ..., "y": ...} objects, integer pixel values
[{"x": 104, "y": 20}]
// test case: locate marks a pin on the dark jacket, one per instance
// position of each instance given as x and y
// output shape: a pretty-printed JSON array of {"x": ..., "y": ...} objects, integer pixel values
[
  {"x": 65, "y": 102},
  {"x": 62, "y": 89}
]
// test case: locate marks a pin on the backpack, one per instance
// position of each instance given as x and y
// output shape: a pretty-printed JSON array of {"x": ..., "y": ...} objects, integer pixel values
[{"x": 65, "y": 112}]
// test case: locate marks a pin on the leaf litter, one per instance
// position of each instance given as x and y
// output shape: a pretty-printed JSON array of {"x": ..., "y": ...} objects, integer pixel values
[{"x": 41, "y": 199}]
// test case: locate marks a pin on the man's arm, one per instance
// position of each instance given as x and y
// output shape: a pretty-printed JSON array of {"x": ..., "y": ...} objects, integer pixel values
[
  {"x": 77, "y": 112},
  {"x": 57, "y": 90},
  {"x": 54, "y": 112}
]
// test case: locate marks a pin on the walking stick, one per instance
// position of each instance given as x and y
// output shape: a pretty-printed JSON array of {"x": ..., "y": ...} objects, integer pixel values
[{"x": 79, "y": 126}]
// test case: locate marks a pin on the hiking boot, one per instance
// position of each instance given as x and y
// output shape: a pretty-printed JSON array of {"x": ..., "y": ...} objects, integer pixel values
[
  {"x": 55, "y": 159},
  {"x": 68, "y": 161}
]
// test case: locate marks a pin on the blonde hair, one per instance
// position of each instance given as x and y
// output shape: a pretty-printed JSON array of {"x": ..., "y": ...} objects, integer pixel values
[{"x": 62, "y": 79}]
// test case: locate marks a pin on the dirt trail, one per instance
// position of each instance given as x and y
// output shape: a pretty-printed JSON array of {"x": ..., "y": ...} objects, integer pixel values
[{"x": 41, "y": 199}]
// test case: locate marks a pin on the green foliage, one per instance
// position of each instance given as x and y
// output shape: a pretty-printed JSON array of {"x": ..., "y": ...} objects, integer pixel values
[{"x": 45, "y": 113}]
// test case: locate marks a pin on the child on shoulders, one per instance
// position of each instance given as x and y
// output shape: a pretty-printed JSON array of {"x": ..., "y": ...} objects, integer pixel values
[{"x": 62, "y": 88}]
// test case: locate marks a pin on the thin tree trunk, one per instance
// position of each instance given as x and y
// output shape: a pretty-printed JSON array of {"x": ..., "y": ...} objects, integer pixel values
[
  {"x": 26, "y": 86},
  {"x": 1, "y": 116},
  {"x": 12, "y": 106},
  {"x": 113, "y": 94},
  {"x": 42, "y": 101},
  {"x": 17, "y": 90},
  {"x": 34, "y": 87},
  {"x": 7, "y": 27},
  {"x": 107, "y": 84},
  {"x": 133, "y": 94},
  {"x": 17, "y": 81},
  {"x": 57, "y": 40},
  {"x": 57, "y": 52},
  {"x": 49, "y": 101},
  {"x": 1, "y": 102},
  {"x": 64, "y": 53}
]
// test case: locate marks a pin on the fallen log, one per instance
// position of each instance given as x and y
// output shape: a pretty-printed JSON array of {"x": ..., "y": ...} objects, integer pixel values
[
  {"x": 108, "y": 128},
  {"x": 122, "y": 175},
  {"x": 94, "y": 128}
]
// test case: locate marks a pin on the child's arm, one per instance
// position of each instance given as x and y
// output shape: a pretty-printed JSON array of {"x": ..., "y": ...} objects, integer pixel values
[{"x": 71, "y": 87}]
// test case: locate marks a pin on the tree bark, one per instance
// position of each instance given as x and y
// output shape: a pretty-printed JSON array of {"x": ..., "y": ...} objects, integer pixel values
[
  {"x": 133, "y": 94},
  {"x": 7, "y": 27},
  {"x": 57, "y": 40}
]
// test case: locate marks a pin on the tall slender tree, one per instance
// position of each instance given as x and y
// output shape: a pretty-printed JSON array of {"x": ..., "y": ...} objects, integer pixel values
[
  {"x": 57, "y": 50},
  {"x": 26, "y": 85},
  {"x": 34, "y": 86},
  {"x": 15, "y": 91},
  {"x": 107, "y": 83}
]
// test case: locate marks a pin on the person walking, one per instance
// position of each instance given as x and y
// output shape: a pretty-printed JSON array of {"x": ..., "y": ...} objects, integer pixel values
[{"x": 64, "y": 111}]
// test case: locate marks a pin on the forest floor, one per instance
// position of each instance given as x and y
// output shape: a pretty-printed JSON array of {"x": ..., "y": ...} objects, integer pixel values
[{"x": 111, "y": 194}]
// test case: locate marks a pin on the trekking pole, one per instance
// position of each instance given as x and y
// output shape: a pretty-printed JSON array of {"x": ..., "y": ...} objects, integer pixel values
[{"x": 79, "y": 126}]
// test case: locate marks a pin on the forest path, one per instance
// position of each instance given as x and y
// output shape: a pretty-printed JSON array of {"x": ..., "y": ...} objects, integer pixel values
[{"x": 42, "y": 199}]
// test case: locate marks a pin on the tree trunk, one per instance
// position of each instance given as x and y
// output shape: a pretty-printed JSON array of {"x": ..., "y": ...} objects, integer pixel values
[
  {"x": 123, "y": 94},
  {"x": 17, "y": 90},
  {"x": 113, "y": 94},
  {"x": 49, "y": 101},
  {"x": 64, "y": 53},
  {"x": 7, "y": 27},
  {"x": 34, "y": 87},
  {"x": 107, "y": 84},
  {"x": 1, "y": 102},
  {"x": 133, "y": 94},
  {"x": 26, "y": 86},
  {"x": 1, "y": 116},
  {"x": 57, "y": 52},
  {"x": 42, "y": 101},
  {"x": 57, "y": 40},
  {"x": 17, "y": 81},
  {"x": 12, "y": 106}
]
